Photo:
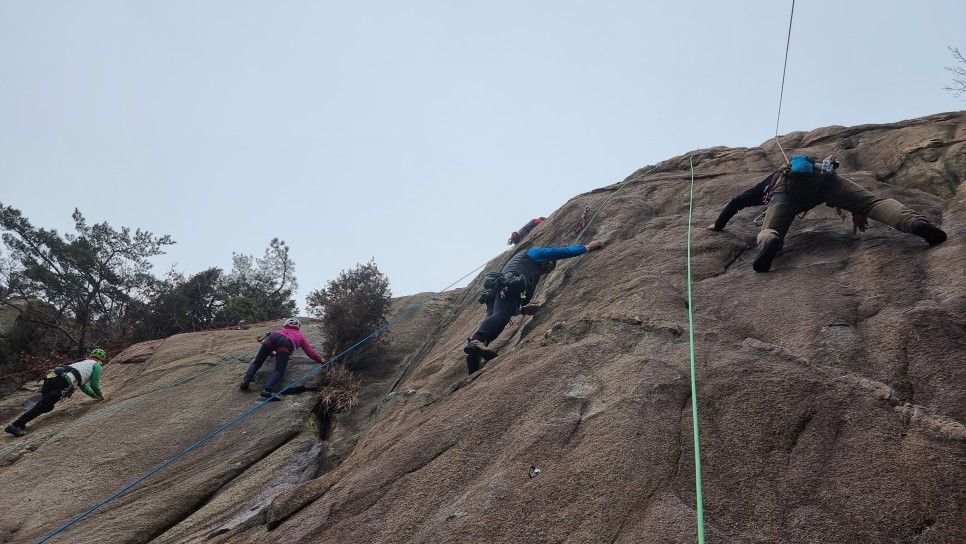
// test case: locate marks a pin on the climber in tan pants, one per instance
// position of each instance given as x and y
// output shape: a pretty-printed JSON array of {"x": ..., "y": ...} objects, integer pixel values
[{"x": 796, "y": 193}]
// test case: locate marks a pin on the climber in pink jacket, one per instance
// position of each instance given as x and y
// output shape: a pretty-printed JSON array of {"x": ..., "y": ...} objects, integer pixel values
[{"x": 283, "y": 342}]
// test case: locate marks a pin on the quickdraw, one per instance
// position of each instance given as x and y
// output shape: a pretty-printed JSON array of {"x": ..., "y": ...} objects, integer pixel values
[{"x": 582, "y": 221}]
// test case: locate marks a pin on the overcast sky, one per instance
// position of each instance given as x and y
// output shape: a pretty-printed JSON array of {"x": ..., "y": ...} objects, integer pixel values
[{"x": 417, "y": 133}]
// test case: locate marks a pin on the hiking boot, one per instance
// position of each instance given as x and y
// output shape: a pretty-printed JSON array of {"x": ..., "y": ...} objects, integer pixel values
[
  {"x": 14, "y": 430},
  {"x": 767, "y": 254},
  {"x": 244, "y": 385},
  {"x": 478, "y": 348},
  {"x": 926, "y": 230}
]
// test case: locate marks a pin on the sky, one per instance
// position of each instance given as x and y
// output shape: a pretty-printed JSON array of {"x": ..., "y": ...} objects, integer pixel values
[{"x": 418, "y": 134}]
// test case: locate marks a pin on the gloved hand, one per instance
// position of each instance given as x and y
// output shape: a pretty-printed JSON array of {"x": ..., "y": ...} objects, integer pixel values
[{"x": 859, "y": 223}]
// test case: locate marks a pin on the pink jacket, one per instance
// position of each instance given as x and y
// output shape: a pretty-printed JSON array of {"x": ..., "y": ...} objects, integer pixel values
[{"x": 299, "y": 340}]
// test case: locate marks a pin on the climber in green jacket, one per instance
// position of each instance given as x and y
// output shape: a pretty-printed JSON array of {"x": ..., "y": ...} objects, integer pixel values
[{"x": 60, "y": 383}]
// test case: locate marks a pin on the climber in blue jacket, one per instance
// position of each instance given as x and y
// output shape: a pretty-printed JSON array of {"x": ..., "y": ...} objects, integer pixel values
[{"x": 509, "y": 292}]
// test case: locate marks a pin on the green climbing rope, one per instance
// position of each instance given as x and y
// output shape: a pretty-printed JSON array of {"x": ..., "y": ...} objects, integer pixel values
[{"x": 694, "y": 383}]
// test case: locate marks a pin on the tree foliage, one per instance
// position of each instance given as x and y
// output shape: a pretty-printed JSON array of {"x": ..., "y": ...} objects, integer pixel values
[
  {"x": 260, "y": 289},
  {"x": 352, "y": 306},
  {"x": 959, "y": 74},
  {"x": 97, "y": 287},
  {"x": 179, "y": 304},
  {"x": 255, "y": 290},
  {"x": 91, "y": 277},
  {"x": 7, "y": 267}
]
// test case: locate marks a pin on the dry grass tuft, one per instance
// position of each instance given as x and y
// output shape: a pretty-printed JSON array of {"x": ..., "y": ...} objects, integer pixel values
[{"x": 339, "y": 392}]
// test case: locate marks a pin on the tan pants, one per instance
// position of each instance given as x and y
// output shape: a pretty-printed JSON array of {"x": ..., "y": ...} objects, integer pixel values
[{"x": 803, "y": 193}]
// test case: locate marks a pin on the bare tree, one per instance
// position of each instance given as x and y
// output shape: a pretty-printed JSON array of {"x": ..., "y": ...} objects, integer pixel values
[{"x": 959, "y": 74}]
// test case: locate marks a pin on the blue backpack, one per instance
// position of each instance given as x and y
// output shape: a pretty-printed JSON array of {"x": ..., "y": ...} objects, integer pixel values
[{"x": 802, "y": 164}]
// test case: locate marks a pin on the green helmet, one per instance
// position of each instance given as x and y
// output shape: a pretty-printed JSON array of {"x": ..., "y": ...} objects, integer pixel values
[{"x": 99, "y": 354}]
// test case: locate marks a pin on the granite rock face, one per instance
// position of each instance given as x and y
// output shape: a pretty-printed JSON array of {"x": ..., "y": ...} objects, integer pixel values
[{"x": 831, "y": 391}]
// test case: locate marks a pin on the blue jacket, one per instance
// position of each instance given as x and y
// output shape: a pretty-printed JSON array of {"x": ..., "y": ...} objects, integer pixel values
[
  {"x": 527, "y": 263},
  {"x": 547, "y": 254}
]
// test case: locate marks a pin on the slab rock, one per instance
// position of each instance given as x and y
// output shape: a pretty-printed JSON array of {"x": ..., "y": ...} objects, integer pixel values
[{"x": 830, "y": 392}]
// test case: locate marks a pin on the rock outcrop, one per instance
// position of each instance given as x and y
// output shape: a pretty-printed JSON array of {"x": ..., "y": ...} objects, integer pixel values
[
  {"x": 18, "y": 322},
  {"x": 831, "y": 391}
]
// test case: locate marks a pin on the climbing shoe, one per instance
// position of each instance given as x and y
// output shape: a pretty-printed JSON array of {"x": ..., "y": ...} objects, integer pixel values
[
  {"x": 473, "y": 362},
  {"x": 14, "y": 430},
  {"x": 926, "y": 230},
  {"x": 267, "y": 394},
  {"x": 244, "y": 385},
  {"x": 767, "y": 254},
  {"x": 478, "y": 348}
]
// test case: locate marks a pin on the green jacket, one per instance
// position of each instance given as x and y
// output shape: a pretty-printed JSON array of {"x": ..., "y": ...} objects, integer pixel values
[{"x": 90, "y": 371}]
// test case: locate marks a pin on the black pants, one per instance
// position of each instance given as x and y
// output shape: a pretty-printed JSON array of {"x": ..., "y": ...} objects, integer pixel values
[
  {"x": 52, "y": 391},
  {"x": 498, "y": 314},
  {"x": 283, "y": 348}
]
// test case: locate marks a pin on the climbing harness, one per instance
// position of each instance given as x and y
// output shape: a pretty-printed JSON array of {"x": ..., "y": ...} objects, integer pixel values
[
  {"x": 504, "y": 285},
  {"x": 60, "y": 370},
  {"x": 772, "y": 183}
]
